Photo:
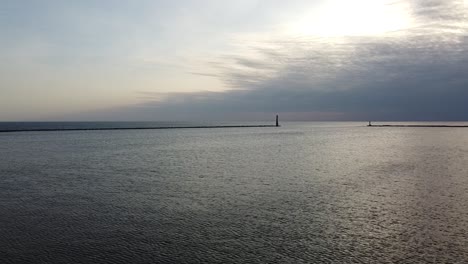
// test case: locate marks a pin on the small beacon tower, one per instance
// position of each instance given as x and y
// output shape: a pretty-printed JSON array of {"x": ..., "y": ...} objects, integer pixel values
[{"x": 277, "y": 121}]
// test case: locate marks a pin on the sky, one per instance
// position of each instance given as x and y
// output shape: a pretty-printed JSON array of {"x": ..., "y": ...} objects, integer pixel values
[{"x": 150, "y": 60}]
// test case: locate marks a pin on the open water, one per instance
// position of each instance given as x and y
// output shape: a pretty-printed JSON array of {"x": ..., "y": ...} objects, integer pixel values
[{"x": 301, "y": 193}]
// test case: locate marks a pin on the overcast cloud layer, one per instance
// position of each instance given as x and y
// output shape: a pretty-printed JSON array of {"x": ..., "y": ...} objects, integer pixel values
[{"x": 414, "y": 73}]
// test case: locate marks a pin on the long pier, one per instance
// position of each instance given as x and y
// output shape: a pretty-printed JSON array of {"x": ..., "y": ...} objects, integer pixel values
[
  {"x": 127, "y": 128},
  {"x": 135, "y": 128},
  {"x": 414, "y": 126}
]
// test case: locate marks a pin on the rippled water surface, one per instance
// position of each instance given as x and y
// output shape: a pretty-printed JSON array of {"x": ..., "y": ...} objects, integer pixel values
[{"x": 302, "y": 193}]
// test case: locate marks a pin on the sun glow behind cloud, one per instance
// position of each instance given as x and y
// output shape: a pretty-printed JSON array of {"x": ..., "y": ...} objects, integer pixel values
[{"x": 352, "y": 18}]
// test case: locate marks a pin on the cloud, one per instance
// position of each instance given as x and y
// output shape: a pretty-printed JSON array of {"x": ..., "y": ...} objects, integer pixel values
[{"x": 418, "y": 73}]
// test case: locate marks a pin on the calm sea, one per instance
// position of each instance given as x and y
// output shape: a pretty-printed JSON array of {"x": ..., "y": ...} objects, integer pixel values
[{"x": 301, "y": 193}]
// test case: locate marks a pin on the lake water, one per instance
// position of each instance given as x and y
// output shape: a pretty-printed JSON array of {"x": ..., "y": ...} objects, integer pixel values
[{"x": 301, "y": 193}]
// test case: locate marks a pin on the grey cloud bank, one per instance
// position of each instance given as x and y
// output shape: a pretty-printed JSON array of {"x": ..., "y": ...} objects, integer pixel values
[{"x": 417, "y": 74}]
